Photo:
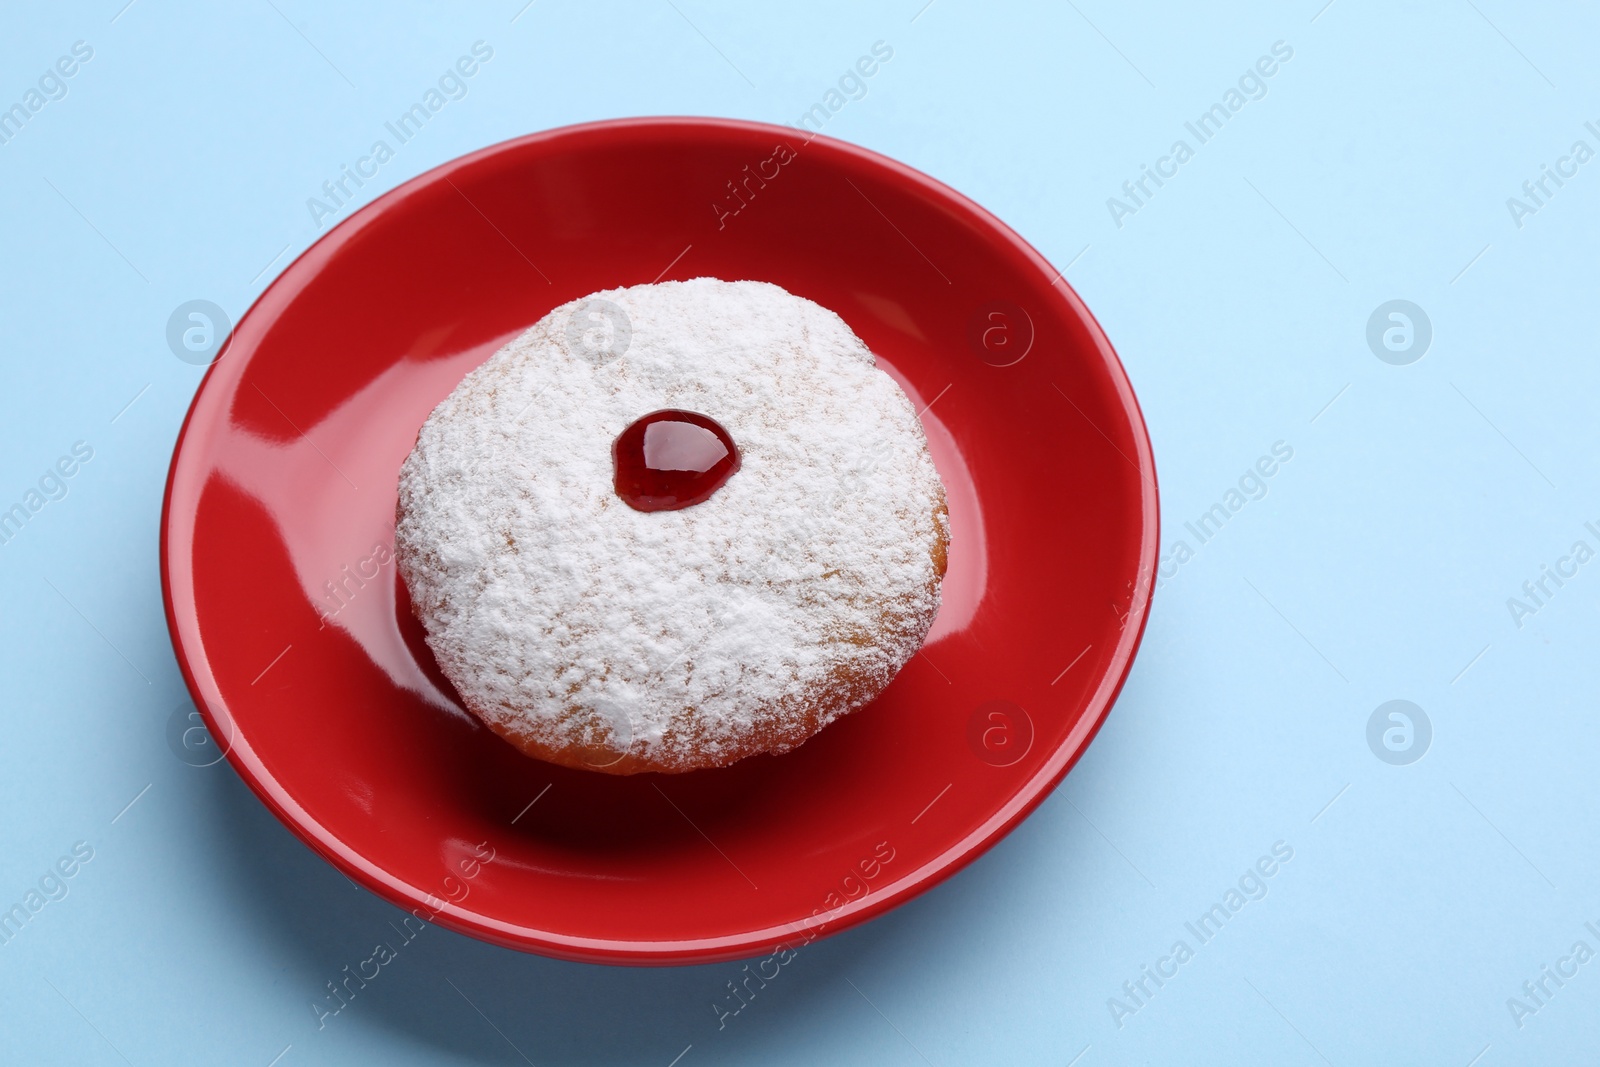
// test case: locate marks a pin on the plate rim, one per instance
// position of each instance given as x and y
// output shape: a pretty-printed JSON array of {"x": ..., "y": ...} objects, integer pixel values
[{"x": 1023, "y": 799}]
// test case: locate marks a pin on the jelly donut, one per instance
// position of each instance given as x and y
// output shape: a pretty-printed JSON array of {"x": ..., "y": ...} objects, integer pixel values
[{"x": 672, "y": 526}]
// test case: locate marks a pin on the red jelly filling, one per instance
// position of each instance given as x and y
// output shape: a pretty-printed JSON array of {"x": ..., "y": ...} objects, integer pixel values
[{"x": 672, "y": 459}]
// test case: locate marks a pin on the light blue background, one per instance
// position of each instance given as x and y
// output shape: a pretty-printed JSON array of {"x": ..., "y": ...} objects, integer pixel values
[{"x": 1376, "y": 167}]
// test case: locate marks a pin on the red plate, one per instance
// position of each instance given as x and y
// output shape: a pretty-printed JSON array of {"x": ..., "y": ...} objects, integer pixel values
[{"x": 296, "y": 639}]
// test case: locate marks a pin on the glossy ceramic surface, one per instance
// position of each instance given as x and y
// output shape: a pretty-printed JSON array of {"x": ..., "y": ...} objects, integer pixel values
[{"x": 296, "y": 638}]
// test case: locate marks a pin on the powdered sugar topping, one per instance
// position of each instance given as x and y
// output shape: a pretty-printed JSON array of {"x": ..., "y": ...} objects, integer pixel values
[{"x": 559, "y": 612}]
